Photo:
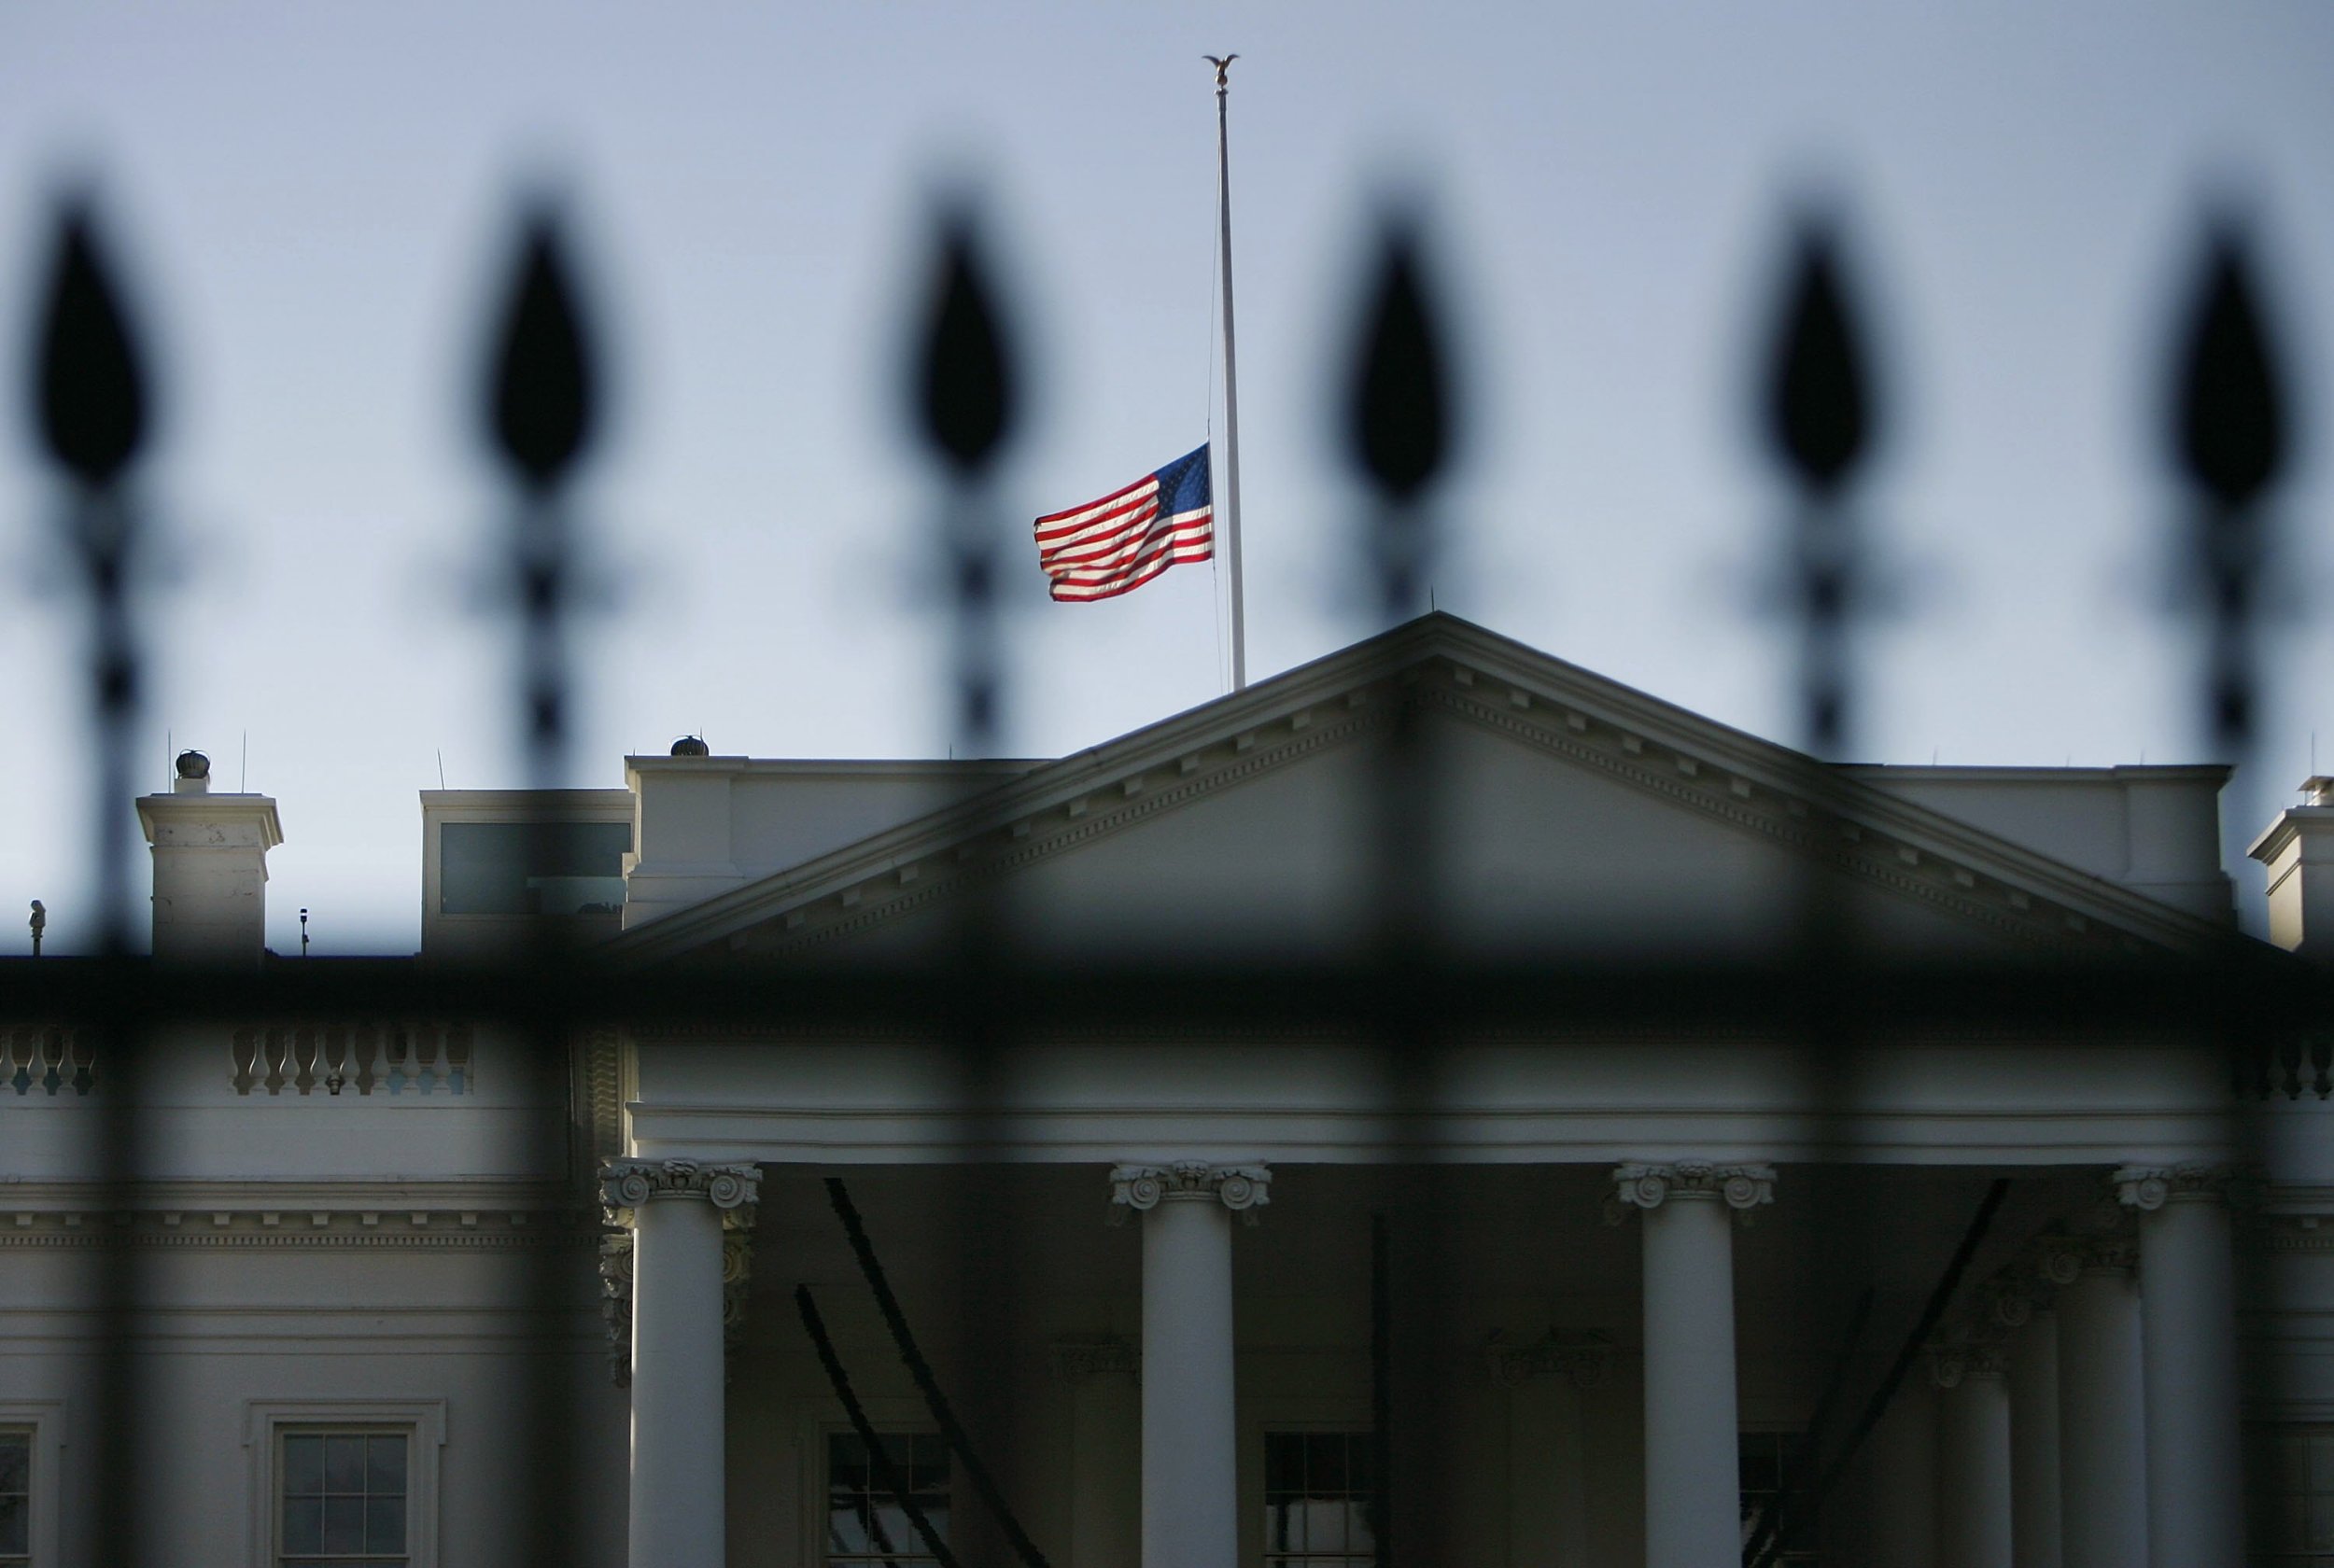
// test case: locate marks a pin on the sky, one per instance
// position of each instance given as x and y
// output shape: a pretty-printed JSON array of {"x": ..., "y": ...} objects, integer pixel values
[{"x": 313, "y": 206}]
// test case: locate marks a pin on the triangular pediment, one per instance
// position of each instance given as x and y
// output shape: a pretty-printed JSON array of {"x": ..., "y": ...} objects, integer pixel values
[{"x": 1567, "y": 809}]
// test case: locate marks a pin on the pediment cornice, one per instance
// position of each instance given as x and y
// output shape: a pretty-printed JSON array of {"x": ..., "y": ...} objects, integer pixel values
[{"x": 1817, "y": 812}]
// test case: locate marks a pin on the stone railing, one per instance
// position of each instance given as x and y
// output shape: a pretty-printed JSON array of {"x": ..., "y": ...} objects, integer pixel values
[
  {"x": 49, "y": 1059},
  {"x": 420, "y": 1057}
]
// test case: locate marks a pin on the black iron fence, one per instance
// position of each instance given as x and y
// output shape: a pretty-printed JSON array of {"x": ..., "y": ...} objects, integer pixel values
[{"x": 90, "y": 1024}]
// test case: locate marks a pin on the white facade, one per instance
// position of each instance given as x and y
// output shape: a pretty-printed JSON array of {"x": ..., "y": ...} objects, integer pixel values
[{"x": 1624, "y": 1263}]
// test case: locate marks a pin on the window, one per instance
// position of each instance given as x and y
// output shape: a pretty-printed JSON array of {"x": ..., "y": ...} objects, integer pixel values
[
  {"x": 1771, "y": 1464},
  {"x": 1319, "y": 1489},
  {"x": 341, "y": 1497},
  {"x": 864, "y": 1523},
  {"x": 344, "y": 1483},
  {"x": 16, "y": 1497},
  {"x": 531, "y": 868},
  {"x": 2292, "y": 1484}
]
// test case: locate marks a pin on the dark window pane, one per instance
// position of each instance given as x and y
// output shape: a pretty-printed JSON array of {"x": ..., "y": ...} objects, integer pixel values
[
  {"x": 385, "y": 1465},
  {"x": 303, "y": 1524},
  {"x": 16, "y": 1525},
  {"x": 344, "y": 1524},
  {"x": 384, "y": 1524},
  {"x": 16, "y": 1462},
  {"x": 847, "y": 1462},
  {"x": 303, "y": 1468},
  {"x": 1283, "y": 1461},
  {"x": 344, "y": 1464},
  {"x": 1325, "y": 1465},
  {"x": 931, "y": 1453},
  {"x": 1360, "y": 1459},
  {"x": 521, "y": 868}
]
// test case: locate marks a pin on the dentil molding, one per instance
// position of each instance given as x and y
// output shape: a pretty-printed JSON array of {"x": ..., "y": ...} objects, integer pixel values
[{"x": 1241, "y": 1188}]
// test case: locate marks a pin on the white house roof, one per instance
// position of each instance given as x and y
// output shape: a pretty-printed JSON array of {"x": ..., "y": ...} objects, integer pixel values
[{"x": 1556, "y": 776}]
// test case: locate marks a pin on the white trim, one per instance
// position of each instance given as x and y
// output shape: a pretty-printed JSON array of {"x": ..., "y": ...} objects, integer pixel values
[
  {"x": 46, "y": 1418},
  {"x": 423, "y": 1420}
]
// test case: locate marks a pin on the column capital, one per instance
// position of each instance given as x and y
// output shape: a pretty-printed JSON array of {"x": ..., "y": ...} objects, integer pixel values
[
  {"x": 1241, "y": 1188},
  {"x": 1740, "y": 1187},
  {"x": 1075, "y": 1360},
  {"x": 1950, "y": 1366},
  {"x": 2064, "y": 1259},
  {"x": 2149, "y": 1187},
  {"x": 1583, "y": 1357},
  {"x": 627, "y": 1184},
  {"x": 2009, "y": 1301}
]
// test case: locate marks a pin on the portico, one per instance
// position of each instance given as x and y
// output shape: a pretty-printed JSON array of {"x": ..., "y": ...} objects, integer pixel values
[{"x": 1152, "y": 1361}]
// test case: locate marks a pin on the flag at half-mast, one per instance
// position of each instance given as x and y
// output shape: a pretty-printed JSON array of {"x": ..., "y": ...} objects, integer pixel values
[{"x": 1108, "y": 547}]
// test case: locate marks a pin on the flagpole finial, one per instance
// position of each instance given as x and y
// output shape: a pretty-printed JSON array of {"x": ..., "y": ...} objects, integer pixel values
[{"x": 1223, "y": 68}]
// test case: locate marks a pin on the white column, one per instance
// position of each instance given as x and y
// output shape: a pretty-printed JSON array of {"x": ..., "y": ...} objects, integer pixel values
[
  {"x": 2188, "y": 1347},
  {"x": 1904, "y": 1479},
  {"x": 1693, "y": 1498},
  {"x": 1190, "y": 1472},
  {"x": 1547, "y": 1445},
  {"x": 2102, "y": 1446},
  {"x": 1105, "y": 1462},
  {"x": 676, "y": 1210},
  {"x": 2034, "y": 1523},
  {"x": 1973, "y": 1440}
]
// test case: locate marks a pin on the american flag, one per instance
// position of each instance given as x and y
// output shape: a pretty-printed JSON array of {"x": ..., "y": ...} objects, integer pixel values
[{"x": 1107, "y": 547}]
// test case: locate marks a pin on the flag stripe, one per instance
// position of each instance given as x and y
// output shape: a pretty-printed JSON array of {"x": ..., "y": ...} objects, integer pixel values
[
  {"x": 1193, "y": 546},
  {"x": 1100, "y": 517},
  {"x": 1102, "y": 534},
  {"x": 1123, "y": 540},
  {"x": 1199, "y": 528}
]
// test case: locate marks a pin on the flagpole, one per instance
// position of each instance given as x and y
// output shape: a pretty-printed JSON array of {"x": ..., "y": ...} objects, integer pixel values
[{"x": 1231, "y": 380}]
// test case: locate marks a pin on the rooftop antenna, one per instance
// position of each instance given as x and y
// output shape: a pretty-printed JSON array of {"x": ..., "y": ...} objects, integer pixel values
[
  {"x": 242, "y": 784},
  {"x": 170, "y": 753},
  {"x": 304, "y": 932},
  {"x": 40, "y": 924},
  {"x": 441, "y": 768}
]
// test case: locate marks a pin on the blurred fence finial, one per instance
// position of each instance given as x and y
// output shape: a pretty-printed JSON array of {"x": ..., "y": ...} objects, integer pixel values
[
  {"x": 1400, "y": 423},
  {"x": 540, "y": 383},
  {"x": 964, "y": 380},
  {"x": 91, "y": 391},
  {"x": 1818, "y": 411},
  {"x": 2229, "y": 437},
  {"x": 2229, "y": 409}
]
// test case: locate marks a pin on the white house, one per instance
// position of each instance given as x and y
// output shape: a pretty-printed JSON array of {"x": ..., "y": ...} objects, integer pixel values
[{"x": 1625, "y": 1265}]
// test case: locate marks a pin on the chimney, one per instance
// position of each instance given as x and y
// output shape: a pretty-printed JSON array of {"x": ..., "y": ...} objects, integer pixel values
[
  {"x": 210, "y": 869},
  {"x": 2299, "y": 851}
]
